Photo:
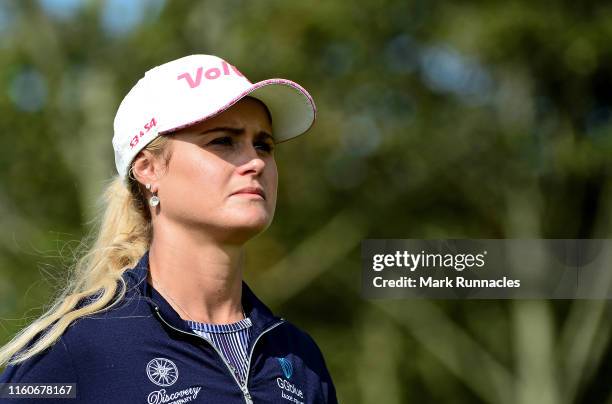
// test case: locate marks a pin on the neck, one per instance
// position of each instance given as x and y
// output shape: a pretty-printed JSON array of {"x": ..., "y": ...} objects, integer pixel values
[{"x": 201, "y": 280}]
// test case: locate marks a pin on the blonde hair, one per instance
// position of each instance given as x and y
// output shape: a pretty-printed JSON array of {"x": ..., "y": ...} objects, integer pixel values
[{"x": 123, "y": 236}]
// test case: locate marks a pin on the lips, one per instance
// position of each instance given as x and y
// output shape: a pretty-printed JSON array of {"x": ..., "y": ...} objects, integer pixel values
[{"x": 251, "y": 190}]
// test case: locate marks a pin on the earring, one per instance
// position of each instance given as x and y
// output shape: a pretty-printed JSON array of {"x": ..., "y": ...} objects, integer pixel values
[{"x": 154, "y": 200}]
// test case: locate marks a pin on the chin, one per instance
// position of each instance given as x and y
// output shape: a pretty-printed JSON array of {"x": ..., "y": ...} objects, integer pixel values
[
  {"x": 256, "y": 225},
  {"x": 245, "y": 228},
  {"x": 256, "y": 218}
]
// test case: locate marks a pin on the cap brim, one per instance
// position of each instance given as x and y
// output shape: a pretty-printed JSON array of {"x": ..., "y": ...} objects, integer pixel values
[{"x": 292, "y": 108}]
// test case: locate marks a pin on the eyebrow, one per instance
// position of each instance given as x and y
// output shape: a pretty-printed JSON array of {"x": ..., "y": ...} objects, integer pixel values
[{"x": 237, "y": 131}]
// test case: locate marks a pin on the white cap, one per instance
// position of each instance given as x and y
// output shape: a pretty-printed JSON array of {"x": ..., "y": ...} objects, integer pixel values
[{"x": 193, "y": 88}]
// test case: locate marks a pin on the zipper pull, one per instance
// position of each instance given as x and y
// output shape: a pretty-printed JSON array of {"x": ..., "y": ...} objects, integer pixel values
[{"x": 247, "y": 396}]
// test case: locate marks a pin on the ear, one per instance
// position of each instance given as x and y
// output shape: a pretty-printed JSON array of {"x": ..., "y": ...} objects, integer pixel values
[{"x": 146, "y": 168}]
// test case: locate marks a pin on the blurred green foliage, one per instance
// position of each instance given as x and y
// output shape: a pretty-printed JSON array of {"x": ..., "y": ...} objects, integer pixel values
[{"x": 482, "y": 119}]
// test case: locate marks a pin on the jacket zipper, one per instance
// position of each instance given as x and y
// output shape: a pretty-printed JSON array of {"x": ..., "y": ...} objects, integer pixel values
[
  {"x": 244, "y": 389},
  {"x": 253, "y": 349}
]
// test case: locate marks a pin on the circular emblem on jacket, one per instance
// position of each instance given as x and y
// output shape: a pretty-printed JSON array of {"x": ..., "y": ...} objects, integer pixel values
[{"x": 162, "y": 372}]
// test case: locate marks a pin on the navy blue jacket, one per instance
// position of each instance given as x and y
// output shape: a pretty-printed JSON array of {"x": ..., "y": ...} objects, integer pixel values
[{"x": 141, "y": 351}]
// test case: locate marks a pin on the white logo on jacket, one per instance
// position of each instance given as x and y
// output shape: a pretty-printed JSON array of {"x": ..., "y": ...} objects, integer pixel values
[
  {"x": 182, "y": 396},
  {"x": 162, "y": 372}
]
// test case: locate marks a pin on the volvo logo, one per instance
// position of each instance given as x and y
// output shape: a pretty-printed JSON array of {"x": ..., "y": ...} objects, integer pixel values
[{"x": 162, "y": 372}]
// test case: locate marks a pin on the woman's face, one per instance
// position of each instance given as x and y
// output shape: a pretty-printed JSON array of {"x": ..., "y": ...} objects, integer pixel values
[{"x": 222, "y": 176}]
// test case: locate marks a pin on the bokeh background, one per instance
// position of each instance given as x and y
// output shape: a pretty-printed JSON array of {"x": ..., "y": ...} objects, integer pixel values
[{"x": 464, "y": 119}]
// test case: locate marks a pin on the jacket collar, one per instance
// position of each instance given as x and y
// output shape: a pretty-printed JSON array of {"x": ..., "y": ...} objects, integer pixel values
[{"x": 136, "y": 281}]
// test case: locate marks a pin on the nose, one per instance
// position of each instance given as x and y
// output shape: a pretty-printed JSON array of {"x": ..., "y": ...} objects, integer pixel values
[{"x": 252, "y": 163}]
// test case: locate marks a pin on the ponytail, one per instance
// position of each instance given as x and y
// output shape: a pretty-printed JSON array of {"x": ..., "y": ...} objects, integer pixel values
[{"x": 124, "y": 235}]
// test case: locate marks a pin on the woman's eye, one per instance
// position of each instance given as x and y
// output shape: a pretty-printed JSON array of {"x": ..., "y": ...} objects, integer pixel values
[
  {"x": 225, "y": 140},
  {"x": 267, "y": 147}
]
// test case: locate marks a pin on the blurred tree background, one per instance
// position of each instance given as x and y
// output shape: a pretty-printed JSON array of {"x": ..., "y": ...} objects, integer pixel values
[{"x": 465, "y": 119}]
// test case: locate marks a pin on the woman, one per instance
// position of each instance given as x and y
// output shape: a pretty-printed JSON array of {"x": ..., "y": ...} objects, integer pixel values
[{"x": 157, "y": 311}]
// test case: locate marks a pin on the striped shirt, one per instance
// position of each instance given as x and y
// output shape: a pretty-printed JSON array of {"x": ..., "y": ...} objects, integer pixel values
[{"x": 231, "y": 339}]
